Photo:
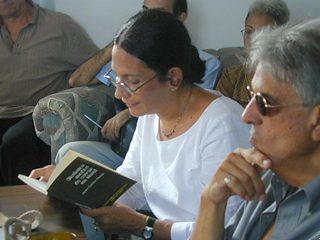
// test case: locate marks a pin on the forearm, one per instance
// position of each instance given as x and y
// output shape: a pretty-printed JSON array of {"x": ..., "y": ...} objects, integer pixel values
[
  {"x": 210, "y": 221},
  {"x": 86, "y": 72}
]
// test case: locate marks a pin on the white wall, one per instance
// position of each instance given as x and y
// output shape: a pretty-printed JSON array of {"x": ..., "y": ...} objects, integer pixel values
[{"x": 212, "y": 23}]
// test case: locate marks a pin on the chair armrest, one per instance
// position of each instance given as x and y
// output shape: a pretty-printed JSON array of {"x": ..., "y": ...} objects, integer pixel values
[{"x": 59, "y": 118}]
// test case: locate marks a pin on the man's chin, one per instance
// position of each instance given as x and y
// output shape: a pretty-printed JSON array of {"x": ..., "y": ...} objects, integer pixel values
[{"x": 253, "y": 141}]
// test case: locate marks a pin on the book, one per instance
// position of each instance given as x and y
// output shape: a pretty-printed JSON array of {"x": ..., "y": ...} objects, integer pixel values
[{"x": 82, "y": 181}]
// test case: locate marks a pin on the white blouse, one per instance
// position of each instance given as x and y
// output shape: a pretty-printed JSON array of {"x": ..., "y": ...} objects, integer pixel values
[{"x": 171, "y": 174}]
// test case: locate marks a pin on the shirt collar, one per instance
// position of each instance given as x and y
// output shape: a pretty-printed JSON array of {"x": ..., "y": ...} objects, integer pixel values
[
  {"x": 312, "y": 192},
  {"x": 280, "y": 188},
  {"x": 35, "y": 15}
]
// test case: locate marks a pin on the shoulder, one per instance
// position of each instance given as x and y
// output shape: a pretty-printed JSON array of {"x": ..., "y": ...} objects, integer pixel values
[
  {"x": 235, "y": 70},
  {"x": 229, "y": 77},
  {"x": 55, "y": 18},
  {"x": 222, "y": 109},
  {"x": 225, "y": 106},
  {"x": 53, "y": 15}
]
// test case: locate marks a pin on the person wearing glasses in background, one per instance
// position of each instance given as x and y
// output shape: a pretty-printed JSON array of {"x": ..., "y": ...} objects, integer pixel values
[
  {"x": 284, "y": 113},
  {"x": 183, "y": 131},
  {"x": 262, "y": 13}
]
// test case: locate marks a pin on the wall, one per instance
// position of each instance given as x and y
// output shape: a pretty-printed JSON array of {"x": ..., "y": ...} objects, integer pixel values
[{"x": 212, "y": 23}]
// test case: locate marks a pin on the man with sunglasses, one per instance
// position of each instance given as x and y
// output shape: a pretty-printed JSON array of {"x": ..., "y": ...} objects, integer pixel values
[{"x": 284, "y": 112}]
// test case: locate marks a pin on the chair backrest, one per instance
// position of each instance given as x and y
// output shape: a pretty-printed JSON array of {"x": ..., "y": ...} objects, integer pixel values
[{"x": 229, "y": 56}]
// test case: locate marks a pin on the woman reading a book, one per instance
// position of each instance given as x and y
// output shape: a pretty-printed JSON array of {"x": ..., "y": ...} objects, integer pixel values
[{"x": 182, "y": 135}]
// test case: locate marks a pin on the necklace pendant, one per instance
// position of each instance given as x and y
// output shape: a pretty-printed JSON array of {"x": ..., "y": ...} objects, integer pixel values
[
  {"x": 168, "y": 135},
  {"x": 179, "y": 118}
]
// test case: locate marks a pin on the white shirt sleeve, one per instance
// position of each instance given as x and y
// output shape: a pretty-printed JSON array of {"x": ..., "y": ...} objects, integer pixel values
[{"x": 181, "y": 230}]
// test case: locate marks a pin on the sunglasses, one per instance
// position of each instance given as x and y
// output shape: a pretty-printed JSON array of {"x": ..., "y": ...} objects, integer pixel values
[
  {"x": 263, "y": 104},
  {"x": 116, "y": 82}
]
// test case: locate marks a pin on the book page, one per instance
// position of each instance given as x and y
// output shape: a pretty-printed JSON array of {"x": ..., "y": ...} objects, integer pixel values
[{"x": 34, "y": 183}]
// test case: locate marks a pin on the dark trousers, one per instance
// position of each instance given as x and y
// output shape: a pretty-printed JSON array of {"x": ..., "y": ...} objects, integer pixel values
[{"x": 21, "y": 150}]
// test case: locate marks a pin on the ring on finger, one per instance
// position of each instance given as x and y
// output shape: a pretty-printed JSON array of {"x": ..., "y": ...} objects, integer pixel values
[{"x": 227, "y": 179}]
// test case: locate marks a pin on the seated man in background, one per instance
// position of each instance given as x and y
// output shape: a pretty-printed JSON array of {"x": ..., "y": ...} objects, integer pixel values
[
  {"x": 39, "y": 50},
  {"x": 86, "y": 72},
  {"x": 285, "y": 115},
  {"x": 262, "y": 13}
]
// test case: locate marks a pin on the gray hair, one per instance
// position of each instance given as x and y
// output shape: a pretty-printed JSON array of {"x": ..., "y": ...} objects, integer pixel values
[
  {"x": 291, "y": 55},
  {"x": 275, "y": 9}
]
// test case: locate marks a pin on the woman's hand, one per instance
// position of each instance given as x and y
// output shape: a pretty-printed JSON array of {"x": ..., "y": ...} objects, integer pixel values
[
  {"x": 239, "y": 174},
  {"x": 111, "y": 129},
  {"x": 42, "y": 173},
  {"x": 117, "y": 219}
]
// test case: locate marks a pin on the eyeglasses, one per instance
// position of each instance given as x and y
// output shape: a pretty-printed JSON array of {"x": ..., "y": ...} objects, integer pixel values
[
  {"x": 116, "y": 82},
  {"x": 262, "y": 102},
  {"x": 247, "y": 32}
]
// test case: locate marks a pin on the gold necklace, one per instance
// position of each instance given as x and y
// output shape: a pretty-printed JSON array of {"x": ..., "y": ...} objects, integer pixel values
[{"x": 169, "y": 134}]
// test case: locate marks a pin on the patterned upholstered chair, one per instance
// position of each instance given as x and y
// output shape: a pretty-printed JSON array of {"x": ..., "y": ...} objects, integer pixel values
[{"x": 59, "y": 118}]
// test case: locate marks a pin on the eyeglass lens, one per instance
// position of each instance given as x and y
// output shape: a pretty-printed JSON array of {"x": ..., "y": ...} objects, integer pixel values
[
  {"x": 259, "y": 99},
  {"x": 261, "y": 103}
]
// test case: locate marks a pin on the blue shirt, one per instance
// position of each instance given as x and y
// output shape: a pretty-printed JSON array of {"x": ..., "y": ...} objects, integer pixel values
[
  {"x": 208, "y": 81},
  {"x": 212, "y": 70},
  {"x": 294, "y": 212},
  {"x": 100, "y": 76}
]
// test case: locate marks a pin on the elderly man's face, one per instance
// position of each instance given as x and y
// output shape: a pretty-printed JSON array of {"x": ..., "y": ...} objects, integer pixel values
[
  {"x": 284, "y": 133},
  {"x": 10, "y": 8},
  {"x": 253, "y": 23}
]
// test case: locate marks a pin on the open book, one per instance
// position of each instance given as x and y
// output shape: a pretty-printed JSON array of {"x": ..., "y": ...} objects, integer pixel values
[{"x": 82, "y": 181}]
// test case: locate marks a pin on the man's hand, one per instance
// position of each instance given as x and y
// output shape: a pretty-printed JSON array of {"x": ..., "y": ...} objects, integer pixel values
[
  {"x": 111, "y": 129},
  {"x": 239, "y": 174}
]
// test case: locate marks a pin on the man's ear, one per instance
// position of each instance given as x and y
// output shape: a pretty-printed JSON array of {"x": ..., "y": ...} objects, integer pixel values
[
  {"x": 175, "y": 76},
  {"x": 182, "y": 17},
  {"x": 316, "y": 123}
]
